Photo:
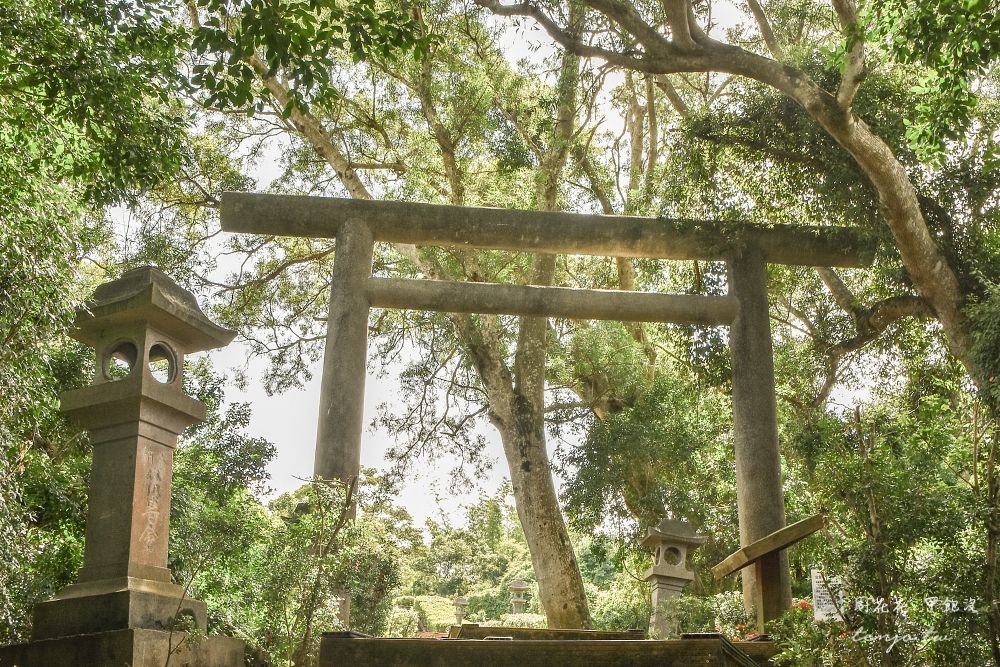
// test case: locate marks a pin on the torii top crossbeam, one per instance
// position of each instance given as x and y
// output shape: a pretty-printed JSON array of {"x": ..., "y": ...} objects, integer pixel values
[{"x": 535, "y": 231}]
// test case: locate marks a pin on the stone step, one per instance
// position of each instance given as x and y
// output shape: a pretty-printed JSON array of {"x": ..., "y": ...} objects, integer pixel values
[
  {"x": 126, "y": 648},
  {"x": 476, "y": 631},
  {"x": 346, "y": 649}
]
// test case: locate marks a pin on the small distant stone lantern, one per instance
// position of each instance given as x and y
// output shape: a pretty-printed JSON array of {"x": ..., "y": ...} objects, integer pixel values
[
  {"x": 461, "y": 604},
  {"x": 670, "y": 541},
  {"x": 140, "y": 326},
  {"x": 518, "y": 598}
]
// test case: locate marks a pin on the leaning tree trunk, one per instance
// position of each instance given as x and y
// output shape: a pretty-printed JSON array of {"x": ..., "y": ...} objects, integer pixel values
[
  {"x": 516, "y": 409},
  {"x": 552, "y": 556},
  {"x": 516, "y": 399},
  {"x": 522, "y": 424}
]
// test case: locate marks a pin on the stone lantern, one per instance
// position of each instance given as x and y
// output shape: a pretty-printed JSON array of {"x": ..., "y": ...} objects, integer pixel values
[
  {"x": 461, "y": 604},
  {"x": 670, "y": 541},
  {"x": 518, "y": 598},
  {"x": 140, "y": 327}
]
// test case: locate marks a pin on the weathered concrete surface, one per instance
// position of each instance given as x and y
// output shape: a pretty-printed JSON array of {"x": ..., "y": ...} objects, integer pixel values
[
  {"x": 537, "y": 231},
  {"x": 670, "y": 541},
  {"x": 581, "y": 304},
  {"x": 342, "y": 391},
  {"x": 336, "y": 651},
  {"x": 148, "y": 294},
  {"x": 134, "y": 423},
  {"x": 476, "y": 631},
  {"x": 759, "y": 495},
  {"x": 79, "y": 611},
  {"x": 345, "y": 357},
  {"x": 133, "y": 437},
  {"x": 126, "y": 648}
]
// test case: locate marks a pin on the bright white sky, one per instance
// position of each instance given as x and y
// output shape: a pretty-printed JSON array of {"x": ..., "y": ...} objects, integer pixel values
[{"x": 289, "y": 421}]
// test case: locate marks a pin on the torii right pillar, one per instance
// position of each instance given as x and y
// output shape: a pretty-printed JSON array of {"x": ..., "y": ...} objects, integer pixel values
[{"x": 759, "y": 493}]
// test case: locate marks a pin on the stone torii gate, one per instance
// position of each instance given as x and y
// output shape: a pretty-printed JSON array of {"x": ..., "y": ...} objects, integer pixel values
[{"x": 357, "y": 225}]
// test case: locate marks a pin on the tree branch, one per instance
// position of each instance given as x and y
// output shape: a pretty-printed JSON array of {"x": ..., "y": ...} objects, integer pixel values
[
  {"x": 870, "y": 323},
  {"x": 839, "y": 290},
  {"x": 562, "y": 37},
  {"x": 854, "y": 69},
  {"x": 676, "y": 101},
  {"x": 765, "y": 29},
  {"x": 677, "y": 18}
]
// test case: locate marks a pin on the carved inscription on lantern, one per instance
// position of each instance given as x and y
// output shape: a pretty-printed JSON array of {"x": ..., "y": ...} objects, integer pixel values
[{"x": 156, "y": 464}]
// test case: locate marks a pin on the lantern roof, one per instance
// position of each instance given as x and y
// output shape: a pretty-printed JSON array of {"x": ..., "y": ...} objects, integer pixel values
[
  {"x": 672, "y": 531},
  {"x": 147, "y": 295}
]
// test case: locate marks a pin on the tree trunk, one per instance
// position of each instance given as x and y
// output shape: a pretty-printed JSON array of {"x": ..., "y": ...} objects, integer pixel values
[
  {"x": 992, "y": 523},
  {"x": 927, "y": 266},
  {"x": 560, "y": 585},
  {"x": 522, "y": 429},
  {"x": 516, "y": 398},
  {"x": 516, "y": 409}
]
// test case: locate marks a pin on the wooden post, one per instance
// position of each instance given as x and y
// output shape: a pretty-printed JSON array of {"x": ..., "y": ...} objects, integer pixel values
[
  {"x": 762, "y": 554},
  {"x": 759, "y": 496}
]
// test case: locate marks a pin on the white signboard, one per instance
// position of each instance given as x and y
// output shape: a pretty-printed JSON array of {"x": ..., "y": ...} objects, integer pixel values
[{"x": 826, "y": 590}]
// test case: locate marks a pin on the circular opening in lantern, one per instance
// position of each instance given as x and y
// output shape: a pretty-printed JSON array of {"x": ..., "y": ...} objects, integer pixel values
[
  {"x": 671, "y": 556},
  {"x": 162, "y": 363},
  {"x": 120, "y": 361}
]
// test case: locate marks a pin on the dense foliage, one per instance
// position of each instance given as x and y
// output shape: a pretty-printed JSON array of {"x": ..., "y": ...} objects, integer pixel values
[{"x": 888, "y": 418}]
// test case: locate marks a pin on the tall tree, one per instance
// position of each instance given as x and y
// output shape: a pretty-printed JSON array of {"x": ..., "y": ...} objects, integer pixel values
[
  {"x": 88, "y": 117},
  {"x": 416, "y": 117},
  {"x": 677, "y": 38}
]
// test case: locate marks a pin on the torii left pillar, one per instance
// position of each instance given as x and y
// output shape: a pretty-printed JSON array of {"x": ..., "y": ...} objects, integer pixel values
[
  {"x": 342, "y": 390},
  {"x": 124, "y": 609}
]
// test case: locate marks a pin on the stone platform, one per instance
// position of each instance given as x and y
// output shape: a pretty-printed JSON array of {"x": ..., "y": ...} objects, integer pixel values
[
  {"x": 94, "y": 607},
  {"x": 126, "y": 648},
  {"x": 345, "y": 649},
  {"x": 476, "y": 631}
]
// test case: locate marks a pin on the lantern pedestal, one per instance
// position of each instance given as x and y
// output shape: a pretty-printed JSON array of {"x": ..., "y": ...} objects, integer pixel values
[
  {"x": 117, "y": 604},
  {"x": 136, "y": 647}
]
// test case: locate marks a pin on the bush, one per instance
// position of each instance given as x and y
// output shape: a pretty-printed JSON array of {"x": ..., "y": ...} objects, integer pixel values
[
  {"x": 434, "y": 613},
  {"x": 806, "y": 643},
  {"x": 523, "y": 621},
  {"x": 402, "y": 623},
  {"x": 723, "y": 613},
  {"x": 489, "y": 604},
  {"x": 517, "y": 621},
  {"x": 728, "y": 615},
  {"x": 623, "y": 606}
]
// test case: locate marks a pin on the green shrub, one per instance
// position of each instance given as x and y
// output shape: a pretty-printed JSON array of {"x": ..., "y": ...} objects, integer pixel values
[
  {"x": 402, "y": 623},
  {"x": 488, "y": 604},
  {"x": 523, "y": 621},
  {"x": 623, "y": 606},
  {"x": 434, "y": 613}
]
